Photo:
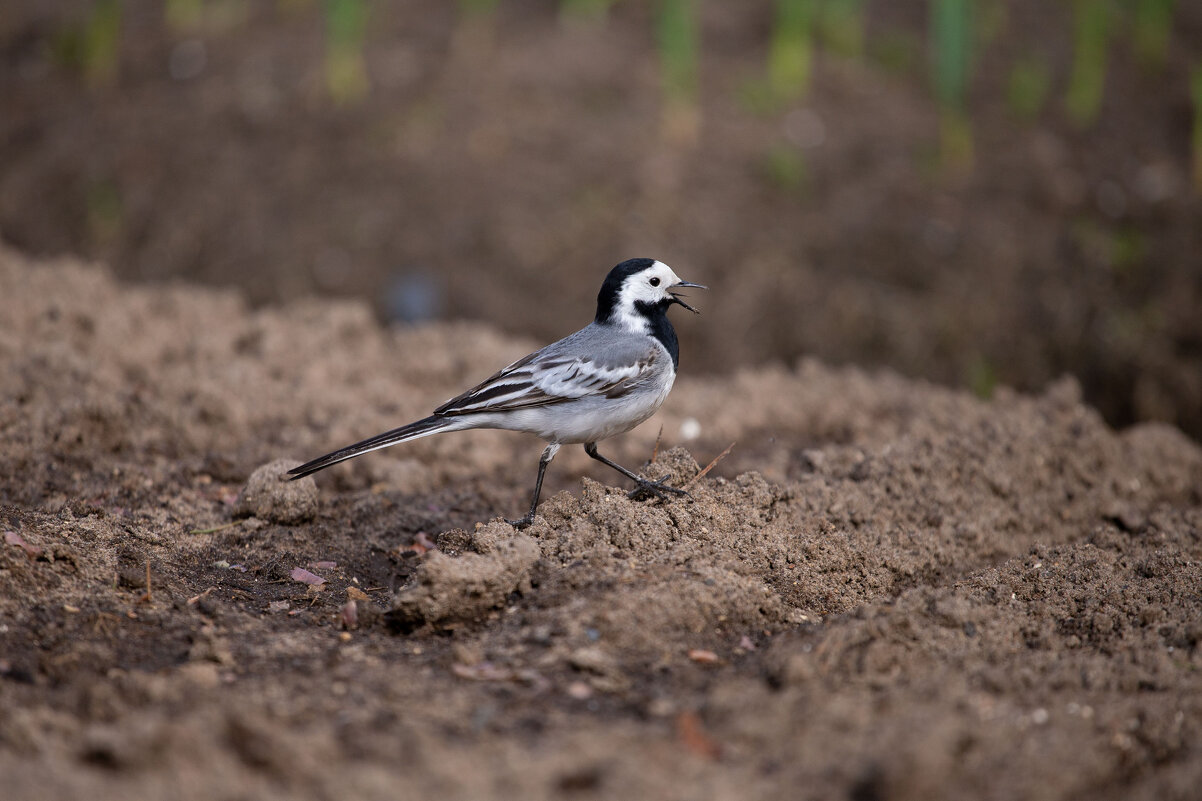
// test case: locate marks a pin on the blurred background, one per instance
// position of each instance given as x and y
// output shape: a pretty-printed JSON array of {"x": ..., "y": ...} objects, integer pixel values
[{"x": 978, "y": 192}]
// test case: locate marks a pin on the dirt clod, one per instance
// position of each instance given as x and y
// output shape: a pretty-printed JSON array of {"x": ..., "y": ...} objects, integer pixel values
[
  {"x": 270, "y": 495},
  {"x": 462, "y": 588}
]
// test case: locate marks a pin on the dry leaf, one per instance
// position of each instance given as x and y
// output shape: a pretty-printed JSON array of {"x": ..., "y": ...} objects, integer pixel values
[
  {"x": 421, "y": 543},
  {"x": 350, "y": 615},
  {"x": 13, "y": 538},
  {"x": 305, "y": 577},
  {"x": 692, "y": 734}
]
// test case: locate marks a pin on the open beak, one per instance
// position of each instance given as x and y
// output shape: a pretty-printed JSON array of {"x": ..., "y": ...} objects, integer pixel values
[{"x": 676, "y": 298}]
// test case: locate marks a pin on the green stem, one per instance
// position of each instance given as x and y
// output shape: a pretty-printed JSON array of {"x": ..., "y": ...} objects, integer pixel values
[
  {"x": 1091, "y": 29},
  {"x": 1153, "y": 26},
  {"x": 345, "y": 65},
  {"x": 951, "y": 31},
  {"x": 677, "y": 36},
  {"x": 791, "y": 51},
  {"x": 101, "y": 44},
  {"x": 1196, "y": 95}
]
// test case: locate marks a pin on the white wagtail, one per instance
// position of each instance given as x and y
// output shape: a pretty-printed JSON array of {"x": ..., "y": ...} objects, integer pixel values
[{"x": 603, "y": 380}]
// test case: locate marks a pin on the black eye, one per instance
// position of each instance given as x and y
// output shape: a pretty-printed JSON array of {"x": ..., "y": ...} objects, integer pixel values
[{"x": 654, "y": 282}]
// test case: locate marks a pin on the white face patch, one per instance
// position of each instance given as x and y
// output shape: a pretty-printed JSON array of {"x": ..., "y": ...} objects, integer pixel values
[{"x": 649, "y": 286}]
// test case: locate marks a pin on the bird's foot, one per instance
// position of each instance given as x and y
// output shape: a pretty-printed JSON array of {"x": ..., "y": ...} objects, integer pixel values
[
  {"x": 658, "y": 489},
  {"x": 523, "y": 522}
]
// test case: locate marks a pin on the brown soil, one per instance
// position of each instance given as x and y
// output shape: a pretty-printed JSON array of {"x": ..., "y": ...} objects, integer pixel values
[
  {"x": 516, "y": 156},
  {"x": 886, "y": 590}
]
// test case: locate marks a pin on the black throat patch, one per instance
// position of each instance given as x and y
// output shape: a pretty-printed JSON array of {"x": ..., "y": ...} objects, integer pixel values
[{"x": 661, "y": 326}]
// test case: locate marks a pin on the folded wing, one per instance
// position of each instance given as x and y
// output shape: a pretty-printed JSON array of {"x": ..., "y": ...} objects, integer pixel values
[{"x": 545, "y": 378}]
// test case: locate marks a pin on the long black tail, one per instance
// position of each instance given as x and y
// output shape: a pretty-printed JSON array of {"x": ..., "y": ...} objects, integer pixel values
[{"x": 424, "y": 427}]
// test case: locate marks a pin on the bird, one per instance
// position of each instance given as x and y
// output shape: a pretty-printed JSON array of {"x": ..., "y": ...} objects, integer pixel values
[{"x": 599, "y": 382}]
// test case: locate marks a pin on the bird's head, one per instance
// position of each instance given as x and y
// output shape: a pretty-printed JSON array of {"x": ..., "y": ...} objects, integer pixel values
[{"x": 636, "y": 289}]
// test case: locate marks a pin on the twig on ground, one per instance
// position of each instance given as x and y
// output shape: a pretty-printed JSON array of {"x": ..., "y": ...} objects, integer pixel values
[
  {"x": 709, "y": 466},
  {"x": 195, "y": 598},
  {"x": 214, "y": 529},
  {"x": 147, "y": 596},
  {"x": 655, "y": 450}
]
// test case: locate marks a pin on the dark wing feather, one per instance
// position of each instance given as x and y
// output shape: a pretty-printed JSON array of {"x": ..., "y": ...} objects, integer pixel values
[{"x": 553, "y": 378}]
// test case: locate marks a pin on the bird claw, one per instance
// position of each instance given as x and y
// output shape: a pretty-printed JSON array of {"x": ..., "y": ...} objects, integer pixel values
[
  {"x": 657, "y": 488},
  {"x": 521, "y": 523}
]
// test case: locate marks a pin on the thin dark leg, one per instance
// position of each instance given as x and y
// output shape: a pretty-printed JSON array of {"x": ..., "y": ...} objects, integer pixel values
[
  {"x": 645, "y": 487},
  {"x": 548, "y": 455}
]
